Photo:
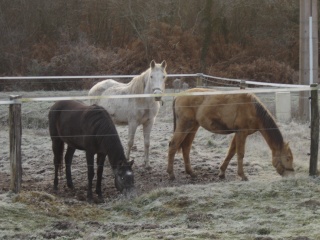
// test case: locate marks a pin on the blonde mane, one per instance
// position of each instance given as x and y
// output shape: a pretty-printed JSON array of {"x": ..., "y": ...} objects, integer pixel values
[{"x": 137, "y": 85}]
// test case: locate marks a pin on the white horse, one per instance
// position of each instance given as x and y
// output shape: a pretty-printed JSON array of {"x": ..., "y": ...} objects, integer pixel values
[{"x": 134, "y": 111}]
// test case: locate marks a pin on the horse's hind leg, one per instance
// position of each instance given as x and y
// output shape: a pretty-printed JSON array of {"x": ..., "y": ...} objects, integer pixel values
[
  {"x": 237, "y": 146},
  {"x": 100, "y": 165},
  {"x": 146, "y": 134},
  {"x": 231, "y": 153},
  {"x": 174, "y": 146},
  {"x": 68, "y": 161},
  {"x": 57, "y": 148},
  {"x": 186, "y": 147}
]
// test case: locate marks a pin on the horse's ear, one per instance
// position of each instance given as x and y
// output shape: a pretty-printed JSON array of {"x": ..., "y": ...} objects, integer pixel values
[
  {"x": 164, "y": 64},
  {"x": 152, "y": 64}
]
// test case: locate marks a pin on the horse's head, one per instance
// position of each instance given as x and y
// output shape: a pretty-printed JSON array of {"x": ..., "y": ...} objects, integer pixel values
[
  {"x": 157, "y": 78},
  {"x": 283, "y": 161},
  {"x": 124, "y": 179}
]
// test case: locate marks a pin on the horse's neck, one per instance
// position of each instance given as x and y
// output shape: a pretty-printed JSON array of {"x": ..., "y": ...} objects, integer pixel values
[
  {"x": 268, "y": 127},
  {"x": 114, "y": 151},
  {"x": 147, "y": 87},
  {"x": 273, "y": 138},
  {"x": 137, "y": 84},
  {"x": 116, "y": 158}
]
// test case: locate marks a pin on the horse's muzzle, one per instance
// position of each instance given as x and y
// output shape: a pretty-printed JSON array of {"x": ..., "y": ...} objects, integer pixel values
[
  {"x": 288, "y": 173},
  {"x": 157, "y": 91}
]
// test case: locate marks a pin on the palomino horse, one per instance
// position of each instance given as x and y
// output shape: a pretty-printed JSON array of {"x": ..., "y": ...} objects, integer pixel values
[
  {"x": 91, "y": 129},
  {"x": 242, "y": 114},
  {"x": 134, "y": 111}
]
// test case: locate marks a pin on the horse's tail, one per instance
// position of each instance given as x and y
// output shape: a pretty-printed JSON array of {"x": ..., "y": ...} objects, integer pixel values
[
  {"x": 174, "y": 114},
  {"x": 57, "y": 143},
  {"x": 175, "y": 119}
]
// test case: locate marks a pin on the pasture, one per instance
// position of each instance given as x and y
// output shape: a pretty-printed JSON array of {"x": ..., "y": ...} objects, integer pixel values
[{"x": 266, "y": 207}]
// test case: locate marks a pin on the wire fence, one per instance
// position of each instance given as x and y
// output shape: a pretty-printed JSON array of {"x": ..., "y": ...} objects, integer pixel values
[
  {"x": 207, "y": 81},
  {"x": 36, "y": 142}
]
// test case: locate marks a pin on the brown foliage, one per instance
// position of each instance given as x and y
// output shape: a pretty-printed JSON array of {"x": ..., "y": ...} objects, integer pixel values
[{"x": 249, "y": 40}]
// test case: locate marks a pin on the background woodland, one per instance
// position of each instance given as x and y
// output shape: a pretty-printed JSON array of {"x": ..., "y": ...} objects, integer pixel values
[{"x": 246, "y": 39}]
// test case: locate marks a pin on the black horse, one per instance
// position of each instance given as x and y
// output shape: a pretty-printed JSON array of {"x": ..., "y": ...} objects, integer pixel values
[{"x": 88, "y": 128}]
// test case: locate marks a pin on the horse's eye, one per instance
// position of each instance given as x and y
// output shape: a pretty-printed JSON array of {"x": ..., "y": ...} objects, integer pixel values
[{"x": 151, "y": 76}]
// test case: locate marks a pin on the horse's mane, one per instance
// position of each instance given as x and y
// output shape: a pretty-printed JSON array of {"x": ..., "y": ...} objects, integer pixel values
[
  {"x": 268, "y": 122},
  {"x": 104, "y": 130},
  {"x": 136, "y": 85}
]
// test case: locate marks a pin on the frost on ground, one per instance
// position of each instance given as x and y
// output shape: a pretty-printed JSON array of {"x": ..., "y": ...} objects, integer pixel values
[{"x": 265, "y": 207}]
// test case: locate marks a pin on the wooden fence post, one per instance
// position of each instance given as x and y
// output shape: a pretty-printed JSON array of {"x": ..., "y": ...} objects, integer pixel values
[
  {"x": 314, "y": 130},
  {"x": 15, "y": 143}
]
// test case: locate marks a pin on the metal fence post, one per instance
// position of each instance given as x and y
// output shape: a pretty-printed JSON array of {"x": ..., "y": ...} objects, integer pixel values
[
  {"x": 199, "y": 80},
  {"x": 15, "y": 143},
  {"x": 314, "y": 130},
  {"x": 243, "y": 84}
]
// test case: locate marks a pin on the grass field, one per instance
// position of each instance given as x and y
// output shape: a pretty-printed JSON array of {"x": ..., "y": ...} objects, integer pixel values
[{"x": 267, "y": 207}]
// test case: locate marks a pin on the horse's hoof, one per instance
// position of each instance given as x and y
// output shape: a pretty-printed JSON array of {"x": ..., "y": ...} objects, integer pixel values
[
  {"x": 89, "y": 199},
  {"x": 100, "y": 199},
  {"x": 147, "y": 167},
  {"x": 172, "y": 177},
  {"x": 193, "y": 175},
  {"x": 244, "y": 178},
  {"x": 222, "y": 176}
]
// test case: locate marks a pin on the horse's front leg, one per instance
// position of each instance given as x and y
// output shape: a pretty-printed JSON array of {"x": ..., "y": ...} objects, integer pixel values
[
  {"x": 146, "y": 135},
  {"x": 90, "y": 166},
  {"x": 100, "y": 165},
  {"x": 241, "y": 142}
]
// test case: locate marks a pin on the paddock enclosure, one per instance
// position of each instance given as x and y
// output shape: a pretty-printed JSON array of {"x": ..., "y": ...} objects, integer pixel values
[{"x": 266, "y": 207}]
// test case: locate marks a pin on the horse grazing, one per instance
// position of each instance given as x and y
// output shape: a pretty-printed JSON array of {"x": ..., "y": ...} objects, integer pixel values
[
  {"x": 135, "y": 111},
  {"x": 241, "y": 114},
  {"x": 91, "y": 129}
]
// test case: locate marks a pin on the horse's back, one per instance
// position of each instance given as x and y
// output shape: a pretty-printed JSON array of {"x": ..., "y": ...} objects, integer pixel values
[
  {"x": 213, "y": 101},
  {"x": 100, "y": 88},
  {"x": 188, "y": 104},
  {"x": 216, "y": 112},
  {"x": 118, "y": 108},
  {"x": 63, "y": 112},
  {"x": 77, "y": 124},
  {"x": 66, "y": 107}
]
